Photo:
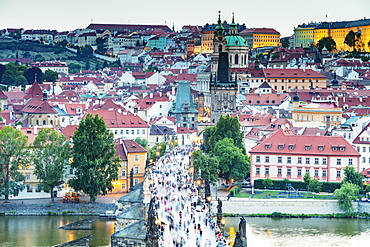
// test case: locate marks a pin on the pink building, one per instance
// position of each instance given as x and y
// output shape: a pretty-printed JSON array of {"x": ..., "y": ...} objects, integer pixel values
[{"x": 285, "y": 155}]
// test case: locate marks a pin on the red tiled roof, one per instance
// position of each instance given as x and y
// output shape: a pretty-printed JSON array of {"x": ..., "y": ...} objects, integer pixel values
[
  {"x": 301, "y": 142},
  {"x": 2, "y": 95},
  {"x": 292, "y": 73},
  {"x": 69, "y": 131},
  {"x": 184, "y": 130},
  {"x": 260, "y": 31},
  {"x": 133, "y": 147},
  {"x": 34, "y": 92},
  {"x": 114, "y": 119}
]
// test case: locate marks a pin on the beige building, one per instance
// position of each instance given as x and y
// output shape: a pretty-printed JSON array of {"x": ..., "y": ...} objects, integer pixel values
[{"x": 133, "y": 158}]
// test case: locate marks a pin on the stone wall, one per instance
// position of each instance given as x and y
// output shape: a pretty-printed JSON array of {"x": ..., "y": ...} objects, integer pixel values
[
  {"x": 123, "y": 242},
  {"x": 301, "y": 206}
]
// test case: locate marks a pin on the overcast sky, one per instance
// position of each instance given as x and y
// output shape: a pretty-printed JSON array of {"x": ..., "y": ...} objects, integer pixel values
[{"x": 64, "y": 15}]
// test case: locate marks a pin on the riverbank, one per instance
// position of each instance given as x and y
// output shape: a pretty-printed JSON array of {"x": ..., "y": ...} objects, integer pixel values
[{"x": 46, "y": 207}]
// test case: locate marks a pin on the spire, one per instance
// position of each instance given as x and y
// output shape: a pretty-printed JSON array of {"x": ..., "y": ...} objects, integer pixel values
[
  {"x": 219, "y": 30},
  {"x": 233, "y": 28},
  {"x": 233, "y": 21}
]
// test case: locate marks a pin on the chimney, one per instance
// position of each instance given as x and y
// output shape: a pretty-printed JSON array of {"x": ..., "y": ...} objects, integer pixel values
[
  {"x": 327, "y": 122},
  {"x": 35, "y": 130},
  {"x": 151, "y": 95}
]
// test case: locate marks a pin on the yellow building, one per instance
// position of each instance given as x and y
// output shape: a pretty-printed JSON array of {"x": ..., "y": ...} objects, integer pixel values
[
  {"x": 316, "y": 111},
  {"x": 307, "y": 34},
  {"x": 133, "y": 158},
  {"x": 261, "y": 37}
]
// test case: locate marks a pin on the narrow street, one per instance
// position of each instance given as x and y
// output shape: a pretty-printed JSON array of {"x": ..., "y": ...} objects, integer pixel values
[{"x": 185, "y": 218}]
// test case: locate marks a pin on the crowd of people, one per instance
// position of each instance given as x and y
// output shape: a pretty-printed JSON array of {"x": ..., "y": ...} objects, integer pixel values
[{"x": 184, "y": 216}]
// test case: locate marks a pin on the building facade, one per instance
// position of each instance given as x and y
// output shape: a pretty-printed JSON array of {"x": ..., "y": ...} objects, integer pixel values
[
  {"x": 286, "y": 156},
  {"x": 261, "y": 37}
]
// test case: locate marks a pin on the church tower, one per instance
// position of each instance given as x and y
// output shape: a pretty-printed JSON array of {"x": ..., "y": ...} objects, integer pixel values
[
  {"x": 219, "y": 43},
  {"x": 223, "y": 89}
]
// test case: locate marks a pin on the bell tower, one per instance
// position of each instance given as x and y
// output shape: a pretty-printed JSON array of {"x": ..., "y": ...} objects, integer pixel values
[{"x": 219, "y": 43}]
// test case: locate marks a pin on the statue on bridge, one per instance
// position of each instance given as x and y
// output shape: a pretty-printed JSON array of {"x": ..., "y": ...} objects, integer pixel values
[{"x": 240, "y": 237}]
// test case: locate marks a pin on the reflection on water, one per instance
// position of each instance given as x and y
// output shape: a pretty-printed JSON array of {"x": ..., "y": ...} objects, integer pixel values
[
  {"x": 43, "y": 231},
  {"x": 261, "y": 232},
  {"x": 304, "y": 232}
]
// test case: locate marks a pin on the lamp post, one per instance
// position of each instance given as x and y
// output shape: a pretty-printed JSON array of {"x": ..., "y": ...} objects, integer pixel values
[{"x": 152, "y": 223}]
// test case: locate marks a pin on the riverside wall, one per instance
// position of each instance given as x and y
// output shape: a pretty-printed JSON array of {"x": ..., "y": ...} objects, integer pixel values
[{"x": 299, "y": 206}]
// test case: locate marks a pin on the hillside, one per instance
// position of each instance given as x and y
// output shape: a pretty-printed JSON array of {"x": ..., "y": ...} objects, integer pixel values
[{"x": 42, "y": 52}]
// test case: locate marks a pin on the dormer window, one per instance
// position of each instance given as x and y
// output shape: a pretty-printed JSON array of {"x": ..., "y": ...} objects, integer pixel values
[
  {"x": 321, "y": 148},
  {"x": 307, "y": 147},
  {"x": 267, "y": 146},
  {"x": 342, "y": 148},
  {"x": 334, "y": 148},
  {"x": 291, "y": 147},
  {"x": 281, "y": 146}
]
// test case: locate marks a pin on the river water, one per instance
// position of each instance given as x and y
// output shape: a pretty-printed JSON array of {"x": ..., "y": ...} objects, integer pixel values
[{"x": 37, "y": 231}]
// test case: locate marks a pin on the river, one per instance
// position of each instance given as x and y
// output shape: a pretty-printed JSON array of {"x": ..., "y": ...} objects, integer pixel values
[{"x": 37, "y": 231}]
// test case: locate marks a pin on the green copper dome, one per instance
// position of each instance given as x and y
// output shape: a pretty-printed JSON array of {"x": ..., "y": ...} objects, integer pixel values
[{"x": 235, "y": 40}]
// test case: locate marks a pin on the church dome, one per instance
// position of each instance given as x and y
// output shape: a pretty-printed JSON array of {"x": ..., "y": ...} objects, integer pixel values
[{"x": 233, "y": 40}]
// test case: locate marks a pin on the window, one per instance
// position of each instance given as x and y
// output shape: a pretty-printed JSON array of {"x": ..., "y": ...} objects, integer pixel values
[
  {"x": 289, "y": 172},
  {"x": 28, "y": 176},
  {"x": 267, "y": 159},
  {"x": 316, "y": 161},
  {"x": 138, "y": 132},
  {"x": 267, "y": 146},
  {"x": 299, "y": 172},
  {"x": 123, "y": 186},
  {"x": 324, "y": 173},
  {"x": 132, "y": 132},
  {"x": 339, "y": 161},
  {"x": 299, "y": 160},
  {"x": 291, "y": 147},
  {"x": 258, "y": 159},
  {"x": 281, "y": 146},
  {"x": 127, "y": 132},
  {"x": 136, "y": 170},
  {"x": 136, "y": 157},
  {"x": 324, "y": 161},
  {"x": 123, "y": 173},
  {"x": 288, "y": 160},
  {"x": 321, "y": 148},
  {"x": 143, "y": 132},
  {"x": 258, "y": 170},
  {"x": 123, "y": 163},
  {"x": 279, "y": 171},
  {"x": 363, "y": 159},
  {"x": 334, "y": 148},
  {"x": 307, "y": 160},
  {"x": 338, "y": 174},
  {"x": 121, "y": 132},
  {"x": 316, "y": 172},
  {"x": 308, "y": 171},
  {"x": 343, "y": 149},
  {"x": 136, "y": 181},
  {"x": 267, "y": 170},
  {"x": 280, "y": 159},
  {"x": 307, "y": 147}
]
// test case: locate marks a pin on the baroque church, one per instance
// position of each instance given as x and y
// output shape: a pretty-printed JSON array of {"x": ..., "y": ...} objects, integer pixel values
[{"x": 230, "y": 54}]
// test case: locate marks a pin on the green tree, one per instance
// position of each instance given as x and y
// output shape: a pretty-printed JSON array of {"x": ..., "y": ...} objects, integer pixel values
[
  {"x": 267, "y": 183},
  {"x": 13, "y": 154},
  {"x": 39, "y": 58},
  {"x": 33, "y": 74},
  {"x": 307, "y": 178},
  {"x": 353, "y": 39},
  {"x": 157, "y": 151},
  {"x": 105, "y": 64},
  {"x": 12, "y": 74},
  {"x": 50, "y": 76},
  {"x": 94, "y": 158},
  {"x": 234, "y": 164},
  {"x": 315, "y": 185},
  {"x": 327, "y": 42},
  {"x": 284, "y": 42},
  {"x": 353, "y": 177},
  {"x": 142, "y": 142},
  {"x": 74, "y": 68},
  {"x": 345, "y": 195},
  {"x": 87, "y": 64},
  {"x": 52, "y": 153},
  {"x": 208, "y": 166},
  {"x": 226, "y": 127},
  {"x": 87, "y": 51}
]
